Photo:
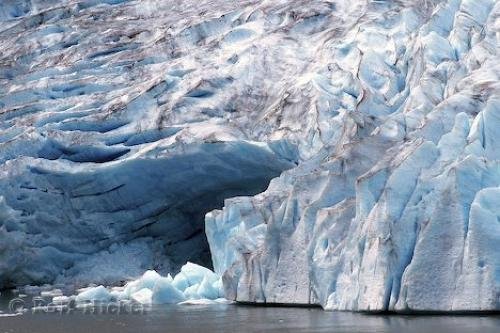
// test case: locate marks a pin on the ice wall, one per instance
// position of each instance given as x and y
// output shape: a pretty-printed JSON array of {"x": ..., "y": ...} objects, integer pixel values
[
  {"x": 123, "y": 122},
  {"x": 400, "y": 214}
]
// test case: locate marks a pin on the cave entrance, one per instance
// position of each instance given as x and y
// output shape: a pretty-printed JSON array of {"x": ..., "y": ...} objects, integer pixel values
[
  {"x": 198, "y": 181},
  {"x": 160, "y": 201}
]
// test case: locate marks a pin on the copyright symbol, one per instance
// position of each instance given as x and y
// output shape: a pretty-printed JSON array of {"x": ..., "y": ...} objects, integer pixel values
[{"x": 16, "y": 305}]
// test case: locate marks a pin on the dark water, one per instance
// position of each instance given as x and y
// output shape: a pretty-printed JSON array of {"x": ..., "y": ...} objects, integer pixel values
[
  {"x": 231, "y": 318},
  {"x": 235, "y": 318}
]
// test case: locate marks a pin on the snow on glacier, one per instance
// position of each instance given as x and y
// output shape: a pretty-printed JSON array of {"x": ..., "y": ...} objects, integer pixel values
[{"x": 372, "y": 124}]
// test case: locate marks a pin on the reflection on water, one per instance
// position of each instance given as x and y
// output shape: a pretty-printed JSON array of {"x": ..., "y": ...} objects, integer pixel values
[{"x": 240, "y": 318}]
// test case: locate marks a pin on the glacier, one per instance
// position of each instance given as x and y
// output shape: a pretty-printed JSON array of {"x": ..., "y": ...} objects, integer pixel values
[{"x": 337, "y": 153}]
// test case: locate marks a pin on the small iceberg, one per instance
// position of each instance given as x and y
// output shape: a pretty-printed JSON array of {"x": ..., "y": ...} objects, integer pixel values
[{"x": 194, "y": 284}]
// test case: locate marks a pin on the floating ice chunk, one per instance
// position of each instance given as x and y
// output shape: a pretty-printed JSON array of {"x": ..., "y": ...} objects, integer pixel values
[
  {"x": 118, "y": 289},
  {"x": 165, "y": 293},
  {"x": 207, "y": 289},
  {"x": 131, "y": 287},
  {"x": 143, "y": 296},
  {"x": 196, "y": 273},
  {"x": 99, "y": 294},
  {"x": 191, "y": 292},
  {"x": 193, "y": 282},
  {"x": 192, "y": 274},
  {"x": 118, "y": 295},
  {"x": 204, "y": 301},
  {"x": 51, "y": 293},
  {"x": 11, "y": 314},
  {"x": 180, "y": 282},
  {"x": 148, "y": 280},
  {"x": 61, "y": 299}
]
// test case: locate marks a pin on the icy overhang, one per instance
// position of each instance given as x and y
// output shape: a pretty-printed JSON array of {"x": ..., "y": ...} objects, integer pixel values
[{"x": 61, "y": 212}]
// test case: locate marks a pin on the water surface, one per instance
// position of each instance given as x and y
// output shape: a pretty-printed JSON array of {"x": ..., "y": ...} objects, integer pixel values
[{"x": 240, "y": 318}]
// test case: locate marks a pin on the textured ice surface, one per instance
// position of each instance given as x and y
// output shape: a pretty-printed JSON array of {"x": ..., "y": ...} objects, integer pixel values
[
  {"x": 202, "y": 287},
  {"x": 97, "y": 294},
  {"x": 110, "y": 157},
  {"x": 398, "y": 209},
  {"x": 123, "y": 122}
]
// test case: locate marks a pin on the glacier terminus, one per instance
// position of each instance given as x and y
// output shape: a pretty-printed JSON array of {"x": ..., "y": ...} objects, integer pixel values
[{"x": 341, "y": 153}]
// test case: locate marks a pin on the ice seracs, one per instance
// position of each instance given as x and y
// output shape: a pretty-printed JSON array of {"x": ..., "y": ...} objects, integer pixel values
[
  {"x": 350, "y": 150},
  {"x": 394, "y": 217}
]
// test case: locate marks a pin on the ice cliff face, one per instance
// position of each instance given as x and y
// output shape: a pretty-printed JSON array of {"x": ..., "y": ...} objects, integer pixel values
[
  {"x": 123, "y": 122},
  {"x": 399, "y": 208}
]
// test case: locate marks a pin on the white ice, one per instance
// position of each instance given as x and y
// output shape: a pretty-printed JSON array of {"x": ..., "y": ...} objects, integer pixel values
[{"x": 199, "y": 286}]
